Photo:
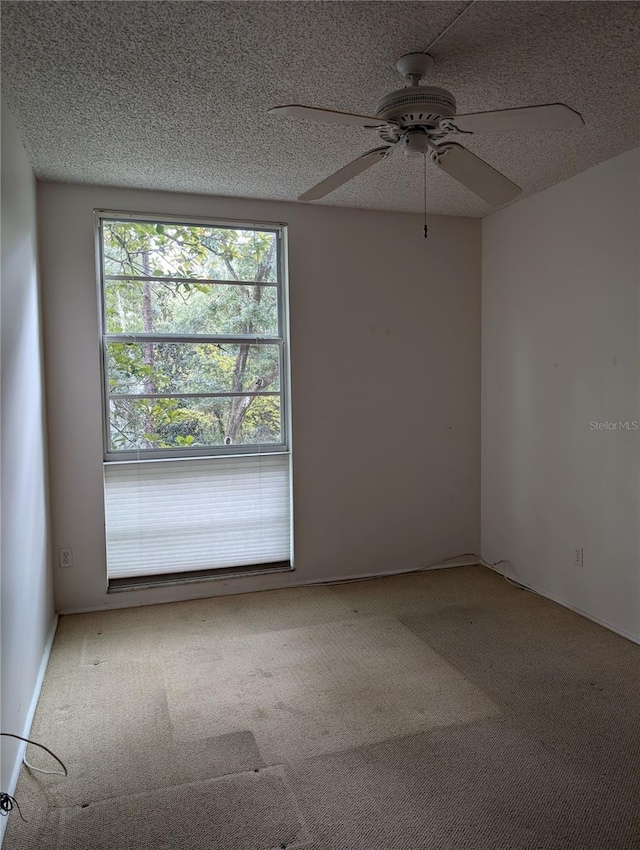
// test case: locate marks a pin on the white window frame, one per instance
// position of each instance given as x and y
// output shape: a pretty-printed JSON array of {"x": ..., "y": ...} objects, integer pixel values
[{"x": 282, "y": 340}]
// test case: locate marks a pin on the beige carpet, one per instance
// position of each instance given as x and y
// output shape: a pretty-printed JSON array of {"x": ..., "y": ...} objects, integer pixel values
[{"x": 444, "y": 710}]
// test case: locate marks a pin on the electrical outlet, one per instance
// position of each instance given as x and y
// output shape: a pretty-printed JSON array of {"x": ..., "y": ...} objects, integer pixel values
[
  {"x": 65, "y": 558},
  {"x": 577, "y": 557}
]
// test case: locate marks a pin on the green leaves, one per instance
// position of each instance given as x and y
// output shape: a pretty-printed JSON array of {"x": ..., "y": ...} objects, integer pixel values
[
  {"x": 188, "y": 251},
  {"x": 192, "y": 307},
  {"x": 185, "y": 441}
]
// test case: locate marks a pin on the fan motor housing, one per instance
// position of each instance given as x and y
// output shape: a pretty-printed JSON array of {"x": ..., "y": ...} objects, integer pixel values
[{"x": 415, "y": 106}]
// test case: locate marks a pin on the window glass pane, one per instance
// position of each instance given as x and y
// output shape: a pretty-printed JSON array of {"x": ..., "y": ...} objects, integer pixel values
[
  {"x": 157, "y": 281},
  {"x": 170, "y": 423},
  {"x": 188, "y": 251},
  {"x": 153, "y": 306},
  {"x": 191, "y": 367}
]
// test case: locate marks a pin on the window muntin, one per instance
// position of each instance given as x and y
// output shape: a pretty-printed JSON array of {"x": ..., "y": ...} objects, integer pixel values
[{"x": 193, "y": 344}]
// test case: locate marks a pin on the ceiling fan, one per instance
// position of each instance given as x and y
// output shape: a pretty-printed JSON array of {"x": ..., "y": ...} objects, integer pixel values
[{"x": 419, "y": 119}]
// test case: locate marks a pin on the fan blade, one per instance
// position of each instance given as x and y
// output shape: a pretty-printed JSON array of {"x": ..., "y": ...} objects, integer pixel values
[
  {"x": 474, "y": 173},
  {"x": 550, "y": 116},
  {"x": 343, "y": 175},
  {"x": 329, "y": 115}
]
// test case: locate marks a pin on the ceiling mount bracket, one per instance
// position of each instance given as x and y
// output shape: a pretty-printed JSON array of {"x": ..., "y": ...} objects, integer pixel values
[{"x": 414, "y": 66}]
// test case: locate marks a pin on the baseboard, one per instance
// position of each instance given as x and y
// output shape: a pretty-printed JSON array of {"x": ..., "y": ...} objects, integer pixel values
[
  {"x": 462, "y": 561},
  {"x": 574, "y": 608},
  {"x": 29, "y": 719},
  {"x": 442, "y": 565}
]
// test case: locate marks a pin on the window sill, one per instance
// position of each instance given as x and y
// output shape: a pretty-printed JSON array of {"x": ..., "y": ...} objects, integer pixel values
[{"x": 121, "y": 585}]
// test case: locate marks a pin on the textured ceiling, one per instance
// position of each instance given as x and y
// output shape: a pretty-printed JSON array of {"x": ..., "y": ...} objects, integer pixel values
[{"x": 173, "y": 95}]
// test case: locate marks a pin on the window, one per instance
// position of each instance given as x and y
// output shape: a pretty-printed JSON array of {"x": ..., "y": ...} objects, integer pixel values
[
  {"x": 194, "y": 363},
  {"x": 193, "y": 342}
]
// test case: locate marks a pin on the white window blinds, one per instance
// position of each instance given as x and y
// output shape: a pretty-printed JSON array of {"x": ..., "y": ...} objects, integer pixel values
[{"x": 174, "y": 516}]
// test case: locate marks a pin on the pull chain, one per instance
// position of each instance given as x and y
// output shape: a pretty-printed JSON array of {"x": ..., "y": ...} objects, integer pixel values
[{"x": 426, "y": 229}]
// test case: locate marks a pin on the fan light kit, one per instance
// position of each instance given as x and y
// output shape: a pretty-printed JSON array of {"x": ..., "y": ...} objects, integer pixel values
[{"x": 420, "y": 120}]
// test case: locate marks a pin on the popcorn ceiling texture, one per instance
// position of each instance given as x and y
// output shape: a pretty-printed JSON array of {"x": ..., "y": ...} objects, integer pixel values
[{"x": 173, "y": 95}]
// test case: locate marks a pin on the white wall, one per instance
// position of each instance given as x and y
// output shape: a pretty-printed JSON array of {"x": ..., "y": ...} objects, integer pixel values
[
  {"x": 27, "y": 600},
  {"x": 386, "y": 366},
  {"x": 560, "y": 349}
]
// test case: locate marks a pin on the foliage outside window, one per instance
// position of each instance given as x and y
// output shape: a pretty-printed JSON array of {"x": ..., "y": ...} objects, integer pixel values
[{"x": 192, "y": 338}]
